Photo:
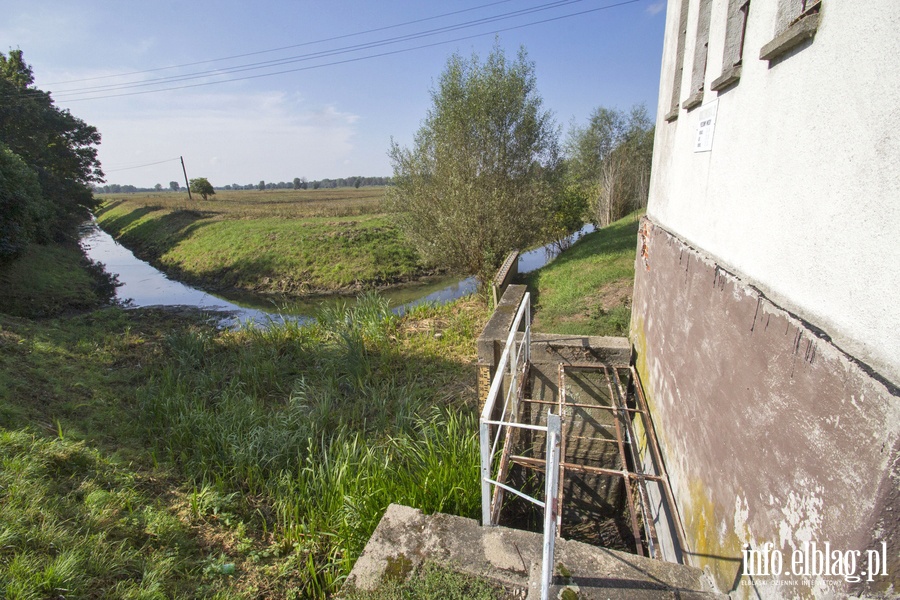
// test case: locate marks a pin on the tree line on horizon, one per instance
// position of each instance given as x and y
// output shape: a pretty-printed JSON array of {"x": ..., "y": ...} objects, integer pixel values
[{"x": 298, "y": 183}]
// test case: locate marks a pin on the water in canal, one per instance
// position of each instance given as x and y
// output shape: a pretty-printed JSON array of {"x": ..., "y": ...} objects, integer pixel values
[{"x": 144, "y": 285}]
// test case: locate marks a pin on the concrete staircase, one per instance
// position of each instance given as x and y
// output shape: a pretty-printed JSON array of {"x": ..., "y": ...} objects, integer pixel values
[{"x": 511, "y": 558}]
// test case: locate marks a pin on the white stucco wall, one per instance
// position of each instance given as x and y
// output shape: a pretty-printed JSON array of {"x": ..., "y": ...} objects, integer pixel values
[{"x": 800, "y": 195}]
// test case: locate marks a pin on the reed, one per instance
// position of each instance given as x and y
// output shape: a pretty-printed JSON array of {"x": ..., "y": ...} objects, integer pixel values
[{"x": 327, "y": 423}]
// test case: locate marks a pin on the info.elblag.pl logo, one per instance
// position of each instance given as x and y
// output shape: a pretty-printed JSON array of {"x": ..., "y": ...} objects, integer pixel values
[{"x": 812, "y": 560}]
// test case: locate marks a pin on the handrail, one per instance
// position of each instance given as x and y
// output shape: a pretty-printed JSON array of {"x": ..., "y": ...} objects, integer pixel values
[
  {"x": 504, "y": 357},
  {"x": 488, "y": 450},
  {"x": 513, "y": 354}
]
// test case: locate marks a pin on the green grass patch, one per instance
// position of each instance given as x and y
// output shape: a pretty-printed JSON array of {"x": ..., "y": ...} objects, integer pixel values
[
  {"x": 587, "y": 289},
  {"x": 47, "y": 280},
  {"x": 146, "y": 455},
  {"x": 295, "y": 242},
  {"x": 76, "y": 524}
]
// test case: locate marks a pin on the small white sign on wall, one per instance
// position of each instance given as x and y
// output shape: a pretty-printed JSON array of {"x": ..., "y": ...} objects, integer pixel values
[{"x": 706, "y": 125}]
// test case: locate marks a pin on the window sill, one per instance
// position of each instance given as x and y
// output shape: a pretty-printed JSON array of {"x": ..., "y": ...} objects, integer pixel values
[
  {"x": 694, "y": 101},
  {"x": 797, "y": 33},
  {"x": 728, "y": 78},
  {"x": 672, "y": 114}
]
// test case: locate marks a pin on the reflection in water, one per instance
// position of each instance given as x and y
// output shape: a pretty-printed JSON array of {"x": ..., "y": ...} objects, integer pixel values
[
  {"x": 537, "y": 258},
  {"x": 144, "y": 285}
]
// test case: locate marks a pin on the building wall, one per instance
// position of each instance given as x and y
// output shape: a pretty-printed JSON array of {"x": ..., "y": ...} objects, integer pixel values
[
  {"x": 800, "y": 194},
  {"x": 770, "y": 433},
  {"x": 764, "y": 323}
]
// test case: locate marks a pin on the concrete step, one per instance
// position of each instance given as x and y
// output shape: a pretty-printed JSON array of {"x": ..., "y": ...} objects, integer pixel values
[
  {"x": 512, "y": 558},
  {"x": 554, "y": 348}
]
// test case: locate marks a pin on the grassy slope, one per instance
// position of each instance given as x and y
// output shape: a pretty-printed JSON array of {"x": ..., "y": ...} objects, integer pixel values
[
  {"x": 83, "y": 510},
  {"x": 48, "y": 279},
  {"x": 145, "y": 455},
  {"x": 291, "y": 242},
  {"x": 587, "y": 290}
]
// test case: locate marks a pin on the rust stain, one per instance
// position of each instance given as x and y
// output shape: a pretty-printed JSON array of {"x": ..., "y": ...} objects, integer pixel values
[{"x": 644, "y": 232}]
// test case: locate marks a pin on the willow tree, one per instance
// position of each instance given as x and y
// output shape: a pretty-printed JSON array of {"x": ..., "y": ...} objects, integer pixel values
[
  {"x": 478, "y": 179},
  {"x": 609, "y": 161}
]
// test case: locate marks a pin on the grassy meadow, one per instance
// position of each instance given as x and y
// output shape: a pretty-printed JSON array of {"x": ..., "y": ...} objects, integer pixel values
[
  {"x": 292, "y": 242},
  {"x": 587, "y": 289},
  {"x": 149, "y": 455}
]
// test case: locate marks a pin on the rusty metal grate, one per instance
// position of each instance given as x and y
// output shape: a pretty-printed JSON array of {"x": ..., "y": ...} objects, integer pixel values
[{"x": 624, "y": 409}]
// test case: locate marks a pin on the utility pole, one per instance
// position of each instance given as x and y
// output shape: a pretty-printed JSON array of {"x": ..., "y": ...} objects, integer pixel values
[{"x": 187, "y": 185}]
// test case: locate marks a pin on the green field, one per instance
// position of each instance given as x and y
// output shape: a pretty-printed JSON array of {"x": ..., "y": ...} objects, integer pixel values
[
  {"x": 147, "y": 455},
  {"x": 587, "y": 289},
  {"x": 291, "y": 242}
]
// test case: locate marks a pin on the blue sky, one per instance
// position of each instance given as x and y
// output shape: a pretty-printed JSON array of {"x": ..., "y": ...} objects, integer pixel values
[{"x": 325, "y": 121}]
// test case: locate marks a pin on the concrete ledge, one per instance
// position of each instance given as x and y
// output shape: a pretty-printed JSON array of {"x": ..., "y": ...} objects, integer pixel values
[
  {"x": 505, "y": 274},
  {"x": 556, "y": 348},
  {"x": 493, "y": 336},
  {"x": 728, "y": 78},
  {"x": 405, "y": 538},
  {"x": 694, "y": 101},
  {"x": 794, "y": 35}
]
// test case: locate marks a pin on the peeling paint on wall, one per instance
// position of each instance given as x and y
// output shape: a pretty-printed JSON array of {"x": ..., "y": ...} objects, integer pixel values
[
  {"x": 770, "y": 433},
  {"x": 644, "y": 251},
  {"x": 802, "y": 518}
]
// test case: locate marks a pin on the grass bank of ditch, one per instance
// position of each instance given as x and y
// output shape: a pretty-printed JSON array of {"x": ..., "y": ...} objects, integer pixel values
[
  {"x": 146, "y": 454},
  {"x": 294, "y": 242},
  {"x": 587, "y": 289}
]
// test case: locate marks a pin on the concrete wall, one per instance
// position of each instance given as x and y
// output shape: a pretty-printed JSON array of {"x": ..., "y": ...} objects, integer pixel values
[
  {"x": 764, "y": 321},
  {"x": 770, "y": 433},
  {"x": 800, "y": 194}
]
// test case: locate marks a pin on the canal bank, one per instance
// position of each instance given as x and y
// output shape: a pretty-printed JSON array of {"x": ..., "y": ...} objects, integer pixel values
[{"x": 142, "y": 284}]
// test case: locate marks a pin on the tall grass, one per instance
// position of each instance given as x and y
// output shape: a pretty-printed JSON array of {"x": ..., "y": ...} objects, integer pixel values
[
  {"x": 72, "y": 523},
  {"x": 313, "y": 431}
]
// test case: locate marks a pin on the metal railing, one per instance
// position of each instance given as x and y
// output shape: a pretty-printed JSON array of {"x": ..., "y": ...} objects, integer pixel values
[{"x": 513, "y": 368}]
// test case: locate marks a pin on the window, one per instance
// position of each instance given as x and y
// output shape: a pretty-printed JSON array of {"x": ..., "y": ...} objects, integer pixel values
[
  {"x": 679, "y": 62},
  {"x": 735, "y": 30},
  {"x": 698, "y": 72},
  {"x": 796, "y": 23}
]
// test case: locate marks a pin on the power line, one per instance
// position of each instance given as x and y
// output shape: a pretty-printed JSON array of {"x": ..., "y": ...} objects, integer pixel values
[
  {"x": 359, "y": 58},
  {"x": 319, "y": 54},
  {"x": 159, "y": 162},
  {"x": 310, "y": 43}
]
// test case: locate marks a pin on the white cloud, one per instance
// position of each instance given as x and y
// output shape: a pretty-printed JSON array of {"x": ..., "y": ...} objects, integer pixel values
[
  {"x": 228, "y": 138},
  {"x": 656, "y": 7}
]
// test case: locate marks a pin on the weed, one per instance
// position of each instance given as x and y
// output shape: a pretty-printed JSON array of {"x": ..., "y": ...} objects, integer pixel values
[{"x": 355, "y": 431}]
